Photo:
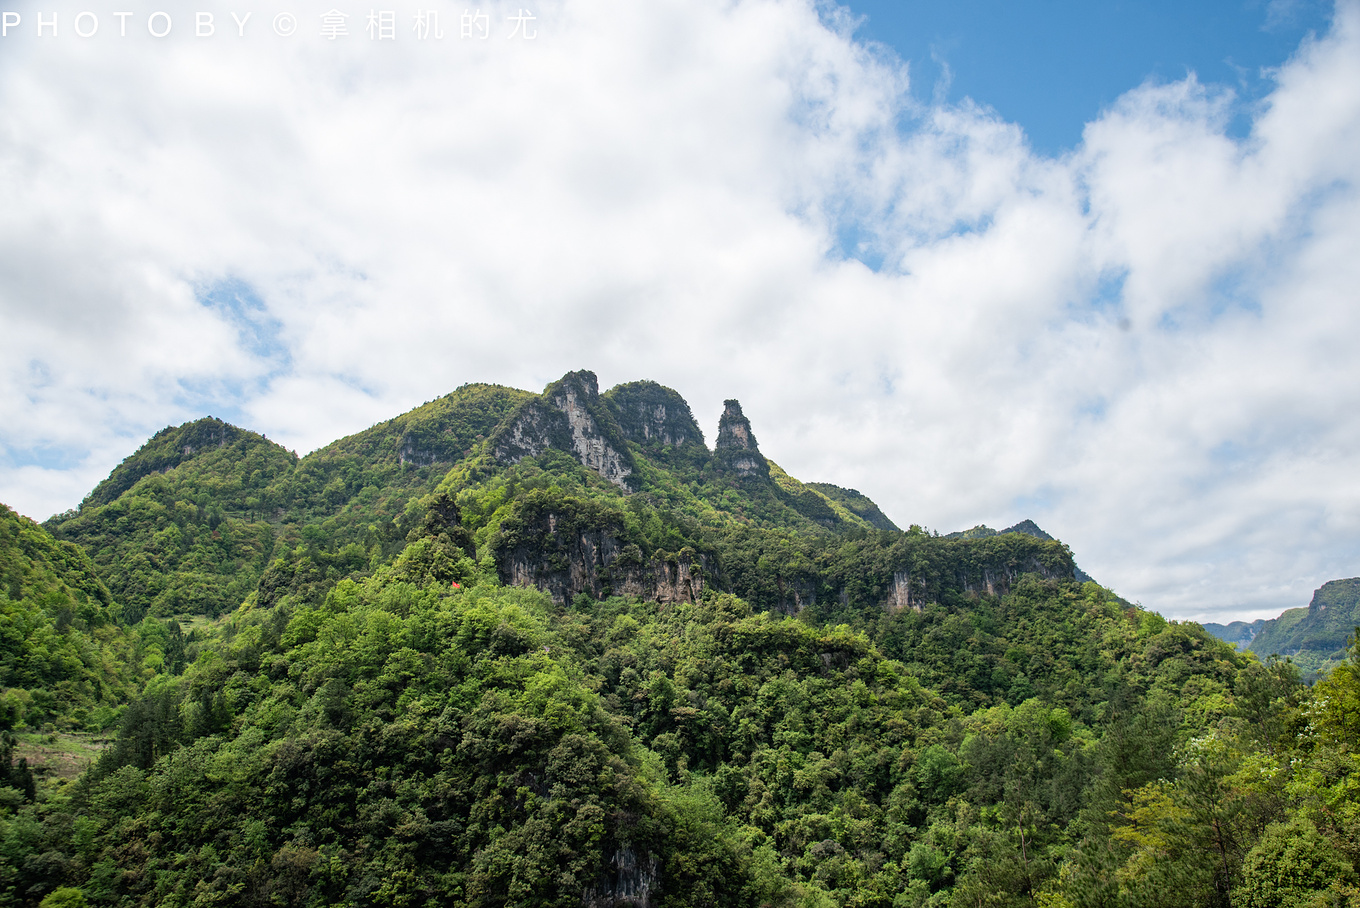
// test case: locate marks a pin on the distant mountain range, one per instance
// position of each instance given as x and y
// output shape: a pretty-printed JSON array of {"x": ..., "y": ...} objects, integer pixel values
[{"x": 1314, "y": 637}]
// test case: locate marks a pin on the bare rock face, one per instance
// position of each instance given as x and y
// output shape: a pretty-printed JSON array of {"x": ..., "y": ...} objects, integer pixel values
[
  {"x": 736, "y": 450},
  {"x": 629, "y": 881},
  {"x": 588, "y": 442},
  {"x": 568, "y": 416}
]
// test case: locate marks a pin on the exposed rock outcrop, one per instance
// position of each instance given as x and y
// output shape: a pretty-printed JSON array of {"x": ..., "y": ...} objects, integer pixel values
[
  {"x": 736, "y": 450},
  {"x": 628, "y": 881},
  {"x": 651, "y": 414},
  {"x": 977, "y": 570},
  {"x": 596, "y": 564},
  {"x": 568, "y": 416},
  {"x": 566, "y": 547}
]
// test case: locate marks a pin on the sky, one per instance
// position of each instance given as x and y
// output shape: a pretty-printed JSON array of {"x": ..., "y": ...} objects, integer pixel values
[{"x": 1097, "y": 269}]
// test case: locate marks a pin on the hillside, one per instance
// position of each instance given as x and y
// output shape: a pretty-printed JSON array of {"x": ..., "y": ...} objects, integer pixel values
[
  {"x": 64, "y": 659},
  {"x": 1315, "y": 638},
  {"x": 552, "y": 650},
  {"x": 191, "y": 522},
  {"x": 1238, "y": 633}
]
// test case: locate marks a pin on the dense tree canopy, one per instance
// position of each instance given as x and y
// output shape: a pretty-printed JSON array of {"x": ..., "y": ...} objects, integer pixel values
[{"x": 402, "y": 671}]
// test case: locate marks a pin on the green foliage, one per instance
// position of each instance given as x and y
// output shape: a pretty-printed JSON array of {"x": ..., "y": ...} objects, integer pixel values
[
  {"x": 727, "y": 688},
  {"x": 64, "y": 897},
  {"x": 63, "y": 659},
  {"x": 194, "y": 520},
  {"x": 1314, "y": 638},
  {"x": 1290, "y": 867},
  {"x": 856, "y": 503}
]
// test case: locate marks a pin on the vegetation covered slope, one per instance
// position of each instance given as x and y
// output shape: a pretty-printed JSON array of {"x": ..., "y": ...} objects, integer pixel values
[
  {"x": 184, "y": 524},
  {"x": 63, "y": 656},
  {"x": 1314, "y": 638},
  {"x": 592, "y": 663},
  {"x": 405, "y": 741},
  {"x": 190, "y": 522}
]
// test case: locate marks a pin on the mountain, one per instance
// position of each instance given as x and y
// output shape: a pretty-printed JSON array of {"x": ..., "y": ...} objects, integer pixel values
[
  {"x": 194, "y": 520},
  {"x": 857, "y": 503},
  {"x": 1027, "y": 527},
  {"x": 189, "y": 523},
  {"x": 1315, "y": 638},
  {"x": 517, "y": 649},
  {"x": 1239, "y": 633}
]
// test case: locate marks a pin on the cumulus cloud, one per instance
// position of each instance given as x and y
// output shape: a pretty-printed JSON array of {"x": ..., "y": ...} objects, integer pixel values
[{"x": 1141, "y": 344}]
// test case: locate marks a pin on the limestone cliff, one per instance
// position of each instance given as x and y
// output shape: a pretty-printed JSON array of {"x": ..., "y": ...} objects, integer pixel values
[
  {"x": 650, "y": 414},
  {"x": 736, "y": 450},
  {"x": 567, "y": 546},
  {"x": 979, "y": 571},
  {"x": 568, "y": 416}
]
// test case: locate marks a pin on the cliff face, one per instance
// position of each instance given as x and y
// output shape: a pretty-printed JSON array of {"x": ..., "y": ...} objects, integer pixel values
[
  {"x": 595, "y": 564},
  {"x": 628, "y": 882},
  {"x": 736, "y": 450},
  {"x": 567, "y": 546},
  {"x": 649, "y": 415},
  {"x": 993, "y": 574},
  {"x": 568, "y": 416}
]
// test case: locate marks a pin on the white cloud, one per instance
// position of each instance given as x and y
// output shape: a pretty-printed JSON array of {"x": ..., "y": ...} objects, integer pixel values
[{"x": 1142, "y": 344}]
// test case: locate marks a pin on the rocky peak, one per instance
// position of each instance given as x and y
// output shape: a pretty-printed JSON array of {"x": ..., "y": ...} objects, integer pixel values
[
  {"x": 736, "y": 448},
  {"x": 652, "y": 414},
  {"x": 567, "y": 416},
  {"x": 734, "y": 429}
]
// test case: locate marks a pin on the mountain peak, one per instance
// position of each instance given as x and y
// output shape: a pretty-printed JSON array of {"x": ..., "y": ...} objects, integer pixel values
[
  {"x": 652, "y": 414},
  {"x": 736, "y": 448},
  {"x": 734, "y": 429},
  {"x": 177, "y": 445},
  {"x": 568, "y": 416}
]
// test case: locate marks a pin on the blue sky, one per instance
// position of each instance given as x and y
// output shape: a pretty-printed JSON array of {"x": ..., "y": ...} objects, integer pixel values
[
  {"x": 1070, "y": 282},
  {"x": 1052, "y": 67}
]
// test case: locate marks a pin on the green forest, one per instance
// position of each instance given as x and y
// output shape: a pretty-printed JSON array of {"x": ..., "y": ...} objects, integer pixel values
[{"x": 516, "y": 649}]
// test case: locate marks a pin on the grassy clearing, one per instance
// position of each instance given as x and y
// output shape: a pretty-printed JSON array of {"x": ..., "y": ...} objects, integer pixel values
[{"x": 59, "y": 755}]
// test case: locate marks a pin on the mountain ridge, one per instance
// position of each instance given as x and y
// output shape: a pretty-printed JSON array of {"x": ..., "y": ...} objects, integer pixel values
[
  {"x": 213, "y": 507},
  {"x": 518, "y": 649}
]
